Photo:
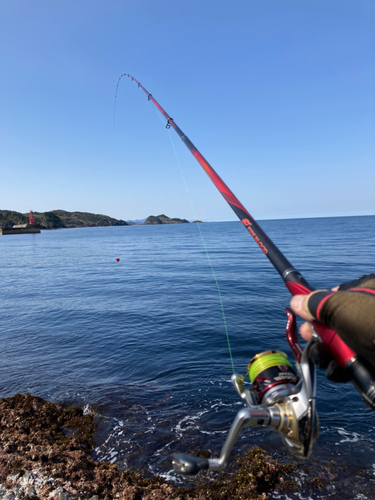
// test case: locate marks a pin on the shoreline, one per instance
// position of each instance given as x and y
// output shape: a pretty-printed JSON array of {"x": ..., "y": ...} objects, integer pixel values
[{"x": 46, "y": 454}]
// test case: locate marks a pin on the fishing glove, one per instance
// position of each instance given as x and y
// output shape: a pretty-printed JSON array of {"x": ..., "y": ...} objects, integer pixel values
[{"x": 350, "y": 312}]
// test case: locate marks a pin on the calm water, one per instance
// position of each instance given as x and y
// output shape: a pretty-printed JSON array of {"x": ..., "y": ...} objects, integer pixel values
[{"x": 142, "y": 342}]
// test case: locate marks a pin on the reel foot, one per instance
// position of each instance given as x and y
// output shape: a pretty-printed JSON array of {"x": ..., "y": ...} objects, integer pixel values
[{"x": 188, "y": 465}]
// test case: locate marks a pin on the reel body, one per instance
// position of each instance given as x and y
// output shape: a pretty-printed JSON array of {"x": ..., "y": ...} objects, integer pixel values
[{"x": 281, "y": 398}]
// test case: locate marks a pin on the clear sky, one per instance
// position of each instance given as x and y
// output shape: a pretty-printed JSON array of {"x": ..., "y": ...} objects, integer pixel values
[{"x": 278, "y": 95}]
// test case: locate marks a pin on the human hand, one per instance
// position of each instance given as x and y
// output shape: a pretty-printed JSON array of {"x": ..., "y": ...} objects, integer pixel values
[
  {"x": 350, "y": 311},
  {"x": 299, "y": 305}
]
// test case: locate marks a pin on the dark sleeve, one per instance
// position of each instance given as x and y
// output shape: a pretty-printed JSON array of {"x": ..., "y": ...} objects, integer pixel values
[{"x": 350, "y": 312}]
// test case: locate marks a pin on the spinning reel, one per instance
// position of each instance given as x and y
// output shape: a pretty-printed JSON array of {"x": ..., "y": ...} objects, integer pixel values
[{"x": 281, "y": 398}]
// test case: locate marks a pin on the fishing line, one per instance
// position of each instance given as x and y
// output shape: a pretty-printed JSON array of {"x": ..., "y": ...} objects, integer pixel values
[
  {"x": 207, "y": 254},
  {"x": 204, "y": 244},
  {"x": 199, "y": 228}
]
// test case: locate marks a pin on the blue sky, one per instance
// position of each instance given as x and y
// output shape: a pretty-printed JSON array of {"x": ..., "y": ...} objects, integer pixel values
[{"x": 278, "y": 96}]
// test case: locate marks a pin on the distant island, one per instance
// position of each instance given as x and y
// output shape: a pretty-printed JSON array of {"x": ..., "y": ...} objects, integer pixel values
[
  {"x": 61, "y": 219},
  {"x": 163, "y": 219}
]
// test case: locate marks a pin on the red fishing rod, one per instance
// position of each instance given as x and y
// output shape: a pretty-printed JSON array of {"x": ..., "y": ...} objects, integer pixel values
[{"x": 361, "y": 376}]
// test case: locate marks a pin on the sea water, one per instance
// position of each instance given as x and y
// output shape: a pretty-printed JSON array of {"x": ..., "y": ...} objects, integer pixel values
[{"x": 142, "y": 344}]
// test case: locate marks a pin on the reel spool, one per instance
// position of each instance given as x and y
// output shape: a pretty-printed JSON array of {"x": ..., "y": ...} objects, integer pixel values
[{"x": 267, "y": 370}]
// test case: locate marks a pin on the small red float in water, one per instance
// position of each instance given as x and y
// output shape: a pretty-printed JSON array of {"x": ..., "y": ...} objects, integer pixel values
[{"x": 117, "y": 260}]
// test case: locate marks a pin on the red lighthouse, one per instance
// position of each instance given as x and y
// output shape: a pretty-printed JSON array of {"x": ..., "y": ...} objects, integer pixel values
[{"x": 31, "y": 220}]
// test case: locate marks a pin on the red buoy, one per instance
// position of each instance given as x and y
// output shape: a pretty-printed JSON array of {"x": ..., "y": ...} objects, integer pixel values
[{"x": 117, "y": 260}]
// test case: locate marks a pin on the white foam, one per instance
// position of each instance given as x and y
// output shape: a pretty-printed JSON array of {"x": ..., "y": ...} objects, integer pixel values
[
  {"x": 213, "y": 432},
  {"x": 168, "y": 476},
  {"x": 350, "y": 437},
  {"x": 221, "y": 403},
  {"x": 151, "y": 430},
  {"x": 282, "y": 496},
  {"x": 158, "y": 452},
  {"x": 190, "y": 423},
  {"x": 87, "y": 410}
]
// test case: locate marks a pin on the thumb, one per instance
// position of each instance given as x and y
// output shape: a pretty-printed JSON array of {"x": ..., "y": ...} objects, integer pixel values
[{"x": 299, "y": 306}]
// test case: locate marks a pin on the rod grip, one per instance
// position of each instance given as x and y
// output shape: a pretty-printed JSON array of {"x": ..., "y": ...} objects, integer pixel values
[
  {"x": 340, "y": 351},
  {"x": 363, "y": 379},
  {"x": 362, "y": 375}
]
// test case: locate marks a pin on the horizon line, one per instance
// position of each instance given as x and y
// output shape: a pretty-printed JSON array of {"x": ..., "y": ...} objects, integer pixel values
[{"x": 295, "y": 218}]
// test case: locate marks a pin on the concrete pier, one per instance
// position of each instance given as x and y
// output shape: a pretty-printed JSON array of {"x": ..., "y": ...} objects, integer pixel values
[{"x": 21, "y": 229}]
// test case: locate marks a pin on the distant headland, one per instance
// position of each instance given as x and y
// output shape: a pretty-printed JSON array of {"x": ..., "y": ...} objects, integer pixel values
[
  {"x": 163, "y": 219},
  {"x": 61, "y": 219}
]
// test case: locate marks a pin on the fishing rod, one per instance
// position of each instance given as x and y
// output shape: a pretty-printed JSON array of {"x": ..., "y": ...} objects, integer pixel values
[{"x": 281, "y": 398}]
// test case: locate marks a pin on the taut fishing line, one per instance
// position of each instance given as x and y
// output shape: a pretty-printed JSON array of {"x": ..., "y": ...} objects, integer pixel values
[
  {"x": 199, "y": 228},
  {"x": 206, "y": 251}
]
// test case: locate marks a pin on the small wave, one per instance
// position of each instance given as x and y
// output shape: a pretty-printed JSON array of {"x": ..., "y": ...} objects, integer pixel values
[
  {"x": 350, "y": 437},
  {"x": 179, "y": 429},
  {"x": 170, "y": 475}
]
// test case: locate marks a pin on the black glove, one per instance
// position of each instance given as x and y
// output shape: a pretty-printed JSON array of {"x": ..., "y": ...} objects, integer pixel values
[
  {"x": 350, "y": 312},
  {"x": 321, "y": 356}
]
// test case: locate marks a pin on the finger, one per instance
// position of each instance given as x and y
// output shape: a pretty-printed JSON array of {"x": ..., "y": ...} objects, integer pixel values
[
  {"x": 299, "y": 306},
  {"x": 306, "y": 331}
]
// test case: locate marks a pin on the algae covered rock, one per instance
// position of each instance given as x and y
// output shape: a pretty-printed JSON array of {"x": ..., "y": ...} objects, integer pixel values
[{"x": 45, "y": 454}]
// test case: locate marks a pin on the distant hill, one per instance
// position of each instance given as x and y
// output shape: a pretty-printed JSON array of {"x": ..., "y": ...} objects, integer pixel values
[
  {"x": 59, "y": 219},
  {"x": 9, "y": 218},
  {"x": 82, "y": 219},
  {"x": 163, "y": 219}
]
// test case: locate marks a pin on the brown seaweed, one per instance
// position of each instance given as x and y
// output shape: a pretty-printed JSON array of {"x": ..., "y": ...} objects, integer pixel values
[{"x": 45, "y": 453}]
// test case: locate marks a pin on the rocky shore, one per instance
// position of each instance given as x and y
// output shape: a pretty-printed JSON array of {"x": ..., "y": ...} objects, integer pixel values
[{"x": 45, "y": 454}]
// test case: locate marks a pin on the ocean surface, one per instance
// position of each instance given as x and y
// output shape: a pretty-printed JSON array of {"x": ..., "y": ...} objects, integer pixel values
[{"x": 142, "y": 344}]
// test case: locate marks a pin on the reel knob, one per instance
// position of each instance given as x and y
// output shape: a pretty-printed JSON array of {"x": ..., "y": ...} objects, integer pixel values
[{"x": 188, "y": 465}]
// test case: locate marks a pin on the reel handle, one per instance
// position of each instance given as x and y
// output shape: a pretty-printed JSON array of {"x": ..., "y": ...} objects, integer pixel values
[{"x": 188, "y": 465}]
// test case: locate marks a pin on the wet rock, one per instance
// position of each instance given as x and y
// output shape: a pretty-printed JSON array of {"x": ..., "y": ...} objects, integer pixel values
[
  {"x": 60, "y": 494},
  {"x": 30, "y": 492},
  {"x": 45, "y": 454}
]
